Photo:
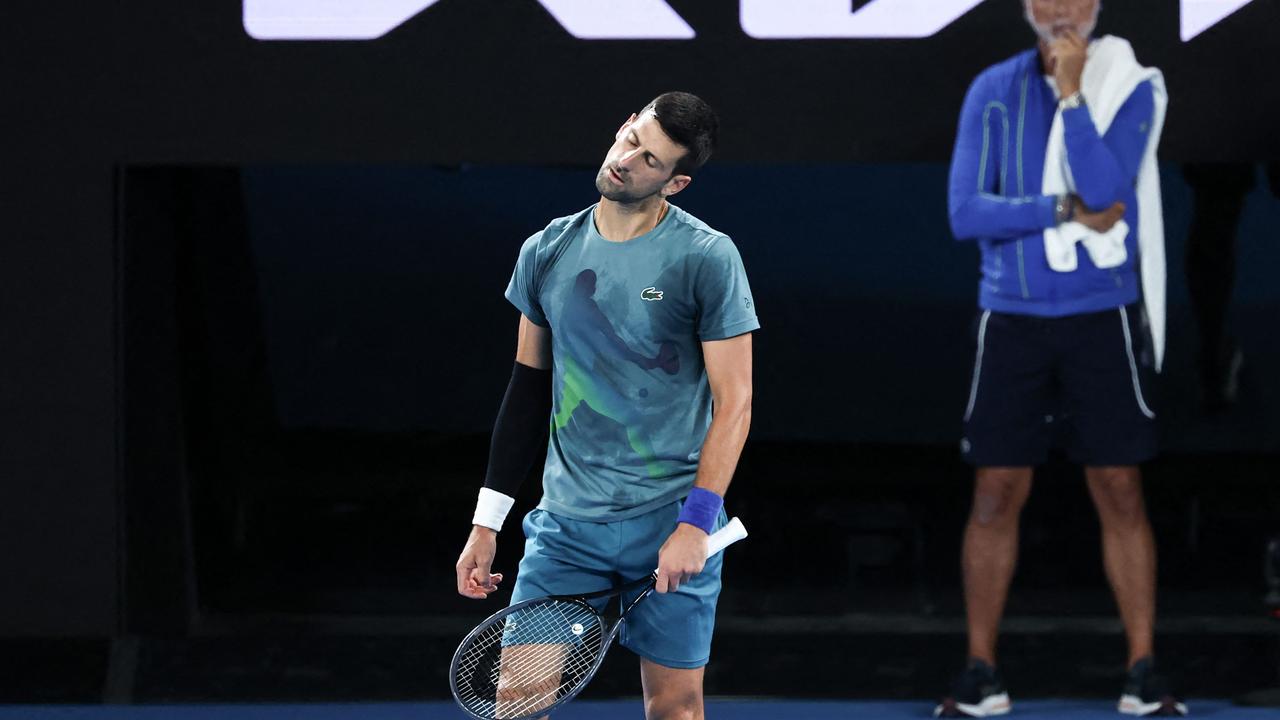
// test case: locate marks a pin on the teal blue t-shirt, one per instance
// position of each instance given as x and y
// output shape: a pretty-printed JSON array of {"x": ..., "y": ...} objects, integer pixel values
[{"x": 630, "y": 401}]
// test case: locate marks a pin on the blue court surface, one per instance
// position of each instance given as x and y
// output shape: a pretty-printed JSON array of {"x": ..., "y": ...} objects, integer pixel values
[{"x": 620, "y": 709}]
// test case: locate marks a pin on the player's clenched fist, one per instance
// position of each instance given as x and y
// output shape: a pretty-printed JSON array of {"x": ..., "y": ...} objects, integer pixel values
[
  {"x": 681, "y": 557},
  {"x": 474, "y": 579}
]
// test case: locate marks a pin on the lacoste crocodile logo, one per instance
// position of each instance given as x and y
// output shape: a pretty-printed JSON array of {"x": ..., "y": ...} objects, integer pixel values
[{"x": 651, "y": 294}]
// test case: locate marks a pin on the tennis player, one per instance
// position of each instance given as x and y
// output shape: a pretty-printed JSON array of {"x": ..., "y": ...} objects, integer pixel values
[{"x": 634, "y": 349}]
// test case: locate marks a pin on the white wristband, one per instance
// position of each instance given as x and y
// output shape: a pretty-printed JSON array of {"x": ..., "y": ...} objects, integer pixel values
[{"x": 492, "y": 508}]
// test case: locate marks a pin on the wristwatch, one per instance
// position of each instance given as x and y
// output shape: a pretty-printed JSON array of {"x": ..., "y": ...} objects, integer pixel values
[
  {"x": 1071, "y": 102},
  {"x": 1062, "y": 209}
]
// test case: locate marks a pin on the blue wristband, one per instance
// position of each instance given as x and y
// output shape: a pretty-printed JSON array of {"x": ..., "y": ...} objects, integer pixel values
[{"x": 701, "y": 509}]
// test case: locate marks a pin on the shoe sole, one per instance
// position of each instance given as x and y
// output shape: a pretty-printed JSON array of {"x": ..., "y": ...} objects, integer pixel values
[
  {"x": 990, "y": 706},
  {"x": 1133, "y": 705}
]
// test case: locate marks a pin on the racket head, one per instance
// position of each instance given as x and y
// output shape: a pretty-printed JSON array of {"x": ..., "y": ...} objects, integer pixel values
[{"x": 527, "y": 659}]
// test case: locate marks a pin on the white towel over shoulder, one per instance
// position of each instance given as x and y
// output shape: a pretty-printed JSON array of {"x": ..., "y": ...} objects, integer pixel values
[{"x": 1111, "y": 74}]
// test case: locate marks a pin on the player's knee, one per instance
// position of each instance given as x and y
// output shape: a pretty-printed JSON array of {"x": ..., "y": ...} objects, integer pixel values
[
  {"x": 674, "y": 705},
  {"x": 997, "y": 499},
  {"x": 518, "y": 697},
  {"x": 1118, "y": 493},
  {"x": 992, "y": 510}
]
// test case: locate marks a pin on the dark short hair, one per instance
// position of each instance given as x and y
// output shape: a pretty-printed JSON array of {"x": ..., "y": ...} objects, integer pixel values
[{"x": 690, "y": 122}]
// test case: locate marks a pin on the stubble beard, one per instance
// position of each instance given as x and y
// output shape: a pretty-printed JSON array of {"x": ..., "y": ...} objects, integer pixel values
[
  {"x": 1045, "y": 32},
  {"x": 609, "y": 191}
]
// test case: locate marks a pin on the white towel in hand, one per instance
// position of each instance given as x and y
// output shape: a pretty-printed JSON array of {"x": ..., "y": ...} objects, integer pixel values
[{"x": 1111, "y": 74}]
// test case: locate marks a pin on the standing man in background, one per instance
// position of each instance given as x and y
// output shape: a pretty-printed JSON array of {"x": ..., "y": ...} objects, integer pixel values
[
  {"x": 1054, "y": 175},
  {"x": 634, "y": 348}
]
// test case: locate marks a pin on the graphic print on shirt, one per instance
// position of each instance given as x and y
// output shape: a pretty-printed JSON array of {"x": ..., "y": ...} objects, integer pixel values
[{"x": 593, "y": 335}]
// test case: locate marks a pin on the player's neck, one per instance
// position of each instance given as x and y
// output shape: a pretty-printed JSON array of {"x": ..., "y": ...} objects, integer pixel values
[{"x": 619, "y": 222}]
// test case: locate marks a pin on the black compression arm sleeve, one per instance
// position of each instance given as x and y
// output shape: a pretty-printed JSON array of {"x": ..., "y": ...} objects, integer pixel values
[{"x": 520, "y": 432}]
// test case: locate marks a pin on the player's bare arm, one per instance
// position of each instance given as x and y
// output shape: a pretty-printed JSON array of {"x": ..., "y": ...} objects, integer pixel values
[
  {"x": 533, "y": 345},
  {"x": 728, "y": 365}
]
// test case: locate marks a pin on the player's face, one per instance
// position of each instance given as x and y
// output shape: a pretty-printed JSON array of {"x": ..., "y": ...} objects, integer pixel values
[
  {"x": 1053, "y": 18},
  {"x": 641, "y": 163}
]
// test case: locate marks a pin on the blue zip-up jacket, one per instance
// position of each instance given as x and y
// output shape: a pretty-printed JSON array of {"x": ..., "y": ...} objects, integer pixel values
[{"x": 995, "y": 196}]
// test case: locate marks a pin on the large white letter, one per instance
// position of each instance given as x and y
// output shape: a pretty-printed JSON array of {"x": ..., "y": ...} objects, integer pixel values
[
  {"x": 1200, "y": 15},
  {"x": 327, "y": 19},
  {"x": 369, "y": 19},
  {"x": 619, "y": 19},
  {"x": 798, "y": 19}
]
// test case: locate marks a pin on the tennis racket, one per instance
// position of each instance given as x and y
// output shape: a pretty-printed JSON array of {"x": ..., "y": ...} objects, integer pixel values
[{"x": 536, "y": 655}]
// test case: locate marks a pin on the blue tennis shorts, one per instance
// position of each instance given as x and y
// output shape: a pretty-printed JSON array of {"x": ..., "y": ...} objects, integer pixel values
[
  {"x": 563, "y": 556},
  {"x": 1079, "y": 382}
]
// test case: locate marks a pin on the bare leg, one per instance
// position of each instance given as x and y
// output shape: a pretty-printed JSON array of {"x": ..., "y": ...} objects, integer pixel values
[
  {"x": 991, "y": 552},
  {"x": 671, "y": 693},
  {"x": 1128, "y": 551},
  {"x": 529, "y": 678}
]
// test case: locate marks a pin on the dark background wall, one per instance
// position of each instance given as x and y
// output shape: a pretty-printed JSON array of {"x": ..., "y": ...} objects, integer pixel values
[
  {"x": 382, "y": 310},
  {"x": 92, "y": 91}
]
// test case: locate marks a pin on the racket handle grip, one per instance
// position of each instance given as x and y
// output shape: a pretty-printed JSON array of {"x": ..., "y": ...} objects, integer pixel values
[{"x": 731, "y": 533}]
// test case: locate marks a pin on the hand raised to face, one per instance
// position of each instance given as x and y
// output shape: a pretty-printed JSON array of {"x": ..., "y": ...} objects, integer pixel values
[{"x": 1066, "y": 56}]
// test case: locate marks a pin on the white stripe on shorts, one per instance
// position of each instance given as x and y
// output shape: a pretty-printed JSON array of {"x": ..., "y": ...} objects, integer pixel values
[
  {"x": 977, "y": 364},
  {"x": 1133, "y": 366}
]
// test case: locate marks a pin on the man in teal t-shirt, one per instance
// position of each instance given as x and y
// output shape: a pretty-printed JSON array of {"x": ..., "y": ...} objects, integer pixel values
[
  {"x": 636, "y": 321},
  {"x": 630, "y": 398}
]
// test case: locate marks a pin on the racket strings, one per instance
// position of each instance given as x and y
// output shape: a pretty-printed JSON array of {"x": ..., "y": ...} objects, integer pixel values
[{"x": 524, "y": 662}]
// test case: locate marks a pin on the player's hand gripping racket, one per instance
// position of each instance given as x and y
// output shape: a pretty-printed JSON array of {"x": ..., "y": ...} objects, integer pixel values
[{"x": 524, "y": 661}]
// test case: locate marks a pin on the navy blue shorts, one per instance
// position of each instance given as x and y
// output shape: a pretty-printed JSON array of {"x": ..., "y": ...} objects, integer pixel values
[{"x": 1078, "y": 382}]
